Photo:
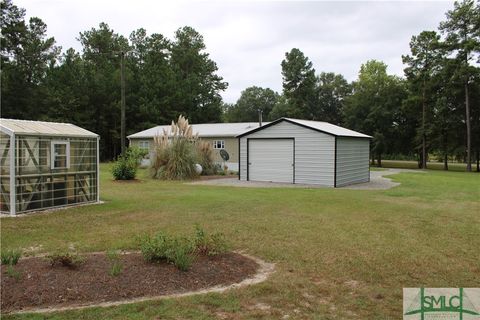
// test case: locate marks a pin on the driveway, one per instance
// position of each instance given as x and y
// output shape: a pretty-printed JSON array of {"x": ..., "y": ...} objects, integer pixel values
[{"x": 378, "y": 181}]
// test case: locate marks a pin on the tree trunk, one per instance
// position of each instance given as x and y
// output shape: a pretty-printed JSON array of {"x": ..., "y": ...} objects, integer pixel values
[
  {"x": 122, "y": 96},
  {"x": 478, "y": 160},
  {"x": 424, "y": 136},
  {"x": 373, "y": 159},
  {"x": 445, "y": 149},
  {"x": 379, "y": 160},
  {"x": 467, "y": 120}
]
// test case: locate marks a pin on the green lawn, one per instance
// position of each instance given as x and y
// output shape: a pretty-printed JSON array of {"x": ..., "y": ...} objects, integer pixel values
[{"x": 340, "y": 254}]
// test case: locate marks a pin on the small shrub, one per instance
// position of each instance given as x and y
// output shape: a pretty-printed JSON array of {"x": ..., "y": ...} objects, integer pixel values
[
  {"x": 211, "y": 245},
  {"x": 66, "y": 259},
  {"x": 154, "y": 249},
  {"x": 174, "y": 250},
  {"x": 180, "y": 254},
  {"x": 10, "y": 257},
  {"x": 116, "y": 267},
  {"x": 179, "y": 250},
  {"x": 11, "y": 272},
  {"x": 124, "y": 168}
]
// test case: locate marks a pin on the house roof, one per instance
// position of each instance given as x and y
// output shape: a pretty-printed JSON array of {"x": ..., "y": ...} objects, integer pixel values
[
  {"x": 204, "y": 130},
  {"x": 320, "y": 126},
  {"x": 29, "y": 127}
]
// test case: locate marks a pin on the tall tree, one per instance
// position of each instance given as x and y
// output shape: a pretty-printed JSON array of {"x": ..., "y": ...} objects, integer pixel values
[
  {"x": 101, "y": 54},
  {"x": 373, "y": 105},
  {"x": 198, "y": 85},
  {"x": 151, "y": 100},
  {"x": 251, "y": 101},
  {"x": 332, "y": 90},
  {"x": 447, "y": 124},
  {"x": 27, "y": 54},
  {"x": 422, "y": 65},
  {"x": 68, "y": 91},
  {"x": 282, "y": 108},
  {"x": 299, "y": 85},
  {"x": 462, "y": 39}
]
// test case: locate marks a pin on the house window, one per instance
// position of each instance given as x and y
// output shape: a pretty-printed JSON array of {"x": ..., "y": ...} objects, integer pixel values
[
  {"x": 219, "y": 144},
  {"x": 60, "y": 155},
  {"x": 144, "y": 145}
]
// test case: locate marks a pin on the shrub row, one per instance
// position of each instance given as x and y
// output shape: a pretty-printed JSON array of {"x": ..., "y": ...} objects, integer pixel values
[{"x": 181, "y": 251}]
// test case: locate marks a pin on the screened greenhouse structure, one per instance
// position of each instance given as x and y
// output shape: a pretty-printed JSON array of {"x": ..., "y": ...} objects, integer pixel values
[{"x": 46, "y": 165}]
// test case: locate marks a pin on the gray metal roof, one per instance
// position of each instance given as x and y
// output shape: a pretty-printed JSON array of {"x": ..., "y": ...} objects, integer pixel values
[
  {"x": 203, "y": 129},
  {"x": 315, "y": 125},
  {"x": 42, "y": 128}
]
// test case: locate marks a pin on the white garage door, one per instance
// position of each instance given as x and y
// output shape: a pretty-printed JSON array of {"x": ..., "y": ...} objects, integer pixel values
[{"x": 270, "y": 160}]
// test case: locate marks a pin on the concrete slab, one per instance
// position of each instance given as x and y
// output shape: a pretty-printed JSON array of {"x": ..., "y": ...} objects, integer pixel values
[{"x": 378, "y": 181}]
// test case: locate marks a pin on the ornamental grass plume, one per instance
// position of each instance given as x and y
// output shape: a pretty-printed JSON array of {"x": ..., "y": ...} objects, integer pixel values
[
  {"x": 205, "y": 157},
  {"x": 175, "y": 154}
]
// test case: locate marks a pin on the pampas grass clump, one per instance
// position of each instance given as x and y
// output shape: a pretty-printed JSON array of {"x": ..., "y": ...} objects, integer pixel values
[
  {"x": 205, "y": 157},
  {"x": 175, "y": 154}
]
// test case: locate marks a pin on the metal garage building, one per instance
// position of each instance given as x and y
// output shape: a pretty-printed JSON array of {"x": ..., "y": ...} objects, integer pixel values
[
  {"x": 46, "y": 165},
  {"x": 301, "y": 151}
]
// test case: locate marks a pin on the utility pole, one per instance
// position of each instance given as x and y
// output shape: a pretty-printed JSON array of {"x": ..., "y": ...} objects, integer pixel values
[
  {"x": 424, "y": 135},
  {"x": 122, "y": 120},
  {"x": 467, "y": 118}
]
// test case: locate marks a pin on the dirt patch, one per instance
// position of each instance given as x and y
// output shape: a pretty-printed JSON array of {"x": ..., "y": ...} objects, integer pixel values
[{"x": 42, "y": 286}]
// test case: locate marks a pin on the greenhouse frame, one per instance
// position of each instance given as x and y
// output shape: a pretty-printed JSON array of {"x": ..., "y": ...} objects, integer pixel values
[{"x": 46, "y": 165}]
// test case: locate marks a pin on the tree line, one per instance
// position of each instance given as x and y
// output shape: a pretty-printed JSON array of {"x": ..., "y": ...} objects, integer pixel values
[
  {"x": 434, "y": 111},
  {"x": 164, "y": 78}
]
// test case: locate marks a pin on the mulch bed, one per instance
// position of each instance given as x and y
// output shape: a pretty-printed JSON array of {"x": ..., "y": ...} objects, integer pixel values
[{"x": 43, "y": 286}]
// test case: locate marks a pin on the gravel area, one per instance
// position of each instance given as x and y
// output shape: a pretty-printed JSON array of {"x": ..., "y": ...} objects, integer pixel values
[{"x": 378, "y": 181}]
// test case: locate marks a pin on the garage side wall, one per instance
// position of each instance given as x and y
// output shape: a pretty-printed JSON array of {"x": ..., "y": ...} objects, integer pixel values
[
  {"x": 314, "y": 152},
  {"x": 352, "y": 161}
]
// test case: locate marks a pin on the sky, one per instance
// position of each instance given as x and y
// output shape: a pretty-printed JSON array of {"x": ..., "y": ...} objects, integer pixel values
[{"x": 249, "y": 39}]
